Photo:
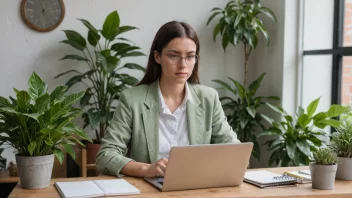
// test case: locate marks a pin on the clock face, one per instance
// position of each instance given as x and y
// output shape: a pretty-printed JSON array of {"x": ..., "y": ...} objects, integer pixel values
[{"x": 43, "y": 15}]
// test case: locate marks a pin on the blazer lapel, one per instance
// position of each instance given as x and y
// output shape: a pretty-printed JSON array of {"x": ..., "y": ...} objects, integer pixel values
[
  {"x": 195, "y": 118},
  {"x": 151, "y": 121}
]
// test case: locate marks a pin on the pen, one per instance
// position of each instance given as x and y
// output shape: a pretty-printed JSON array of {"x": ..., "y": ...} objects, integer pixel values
[{"x": 300, "y": 172}]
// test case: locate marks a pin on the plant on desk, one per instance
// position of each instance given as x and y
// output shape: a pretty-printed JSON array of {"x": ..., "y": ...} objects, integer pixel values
[
  {"x": 301, "y": 134},
  {"x": 341, "y": 144},
  {"x": 105, "y": 77},
  {"x": 323, "y": 169},
  {"x": 39, "y": 125},
  {"x": 239, "y": 22}
]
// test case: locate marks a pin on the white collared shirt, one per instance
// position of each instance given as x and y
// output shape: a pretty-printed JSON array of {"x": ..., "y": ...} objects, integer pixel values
[{"x": 173, "y": 130}]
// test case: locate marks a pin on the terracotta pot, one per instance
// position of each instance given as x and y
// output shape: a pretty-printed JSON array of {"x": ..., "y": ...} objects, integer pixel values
[{"x": 92, "y": 150}]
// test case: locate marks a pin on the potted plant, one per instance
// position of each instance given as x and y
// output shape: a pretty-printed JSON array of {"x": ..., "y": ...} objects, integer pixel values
[
  {"x": 240, "y": 23},
  {"x": 341, "y": 144},
  {"x": 39, "y": 125},
  {"x": 299, "y": 135},
  {"x": 104, "y": 78},
  {"x": 323, "y": 169}
]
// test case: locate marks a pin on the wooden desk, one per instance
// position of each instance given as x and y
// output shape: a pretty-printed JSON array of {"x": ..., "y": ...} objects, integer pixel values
[
  {"x": 342, "y": 189},
  {"x": 6, "y": 178}
]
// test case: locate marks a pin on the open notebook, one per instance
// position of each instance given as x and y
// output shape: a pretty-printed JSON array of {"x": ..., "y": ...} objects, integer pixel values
[
  {"x": 263, "y": 179},
  {"x": 95, "y": 188}
]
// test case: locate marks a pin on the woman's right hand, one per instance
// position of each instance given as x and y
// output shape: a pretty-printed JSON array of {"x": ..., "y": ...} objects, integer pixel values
[{"x": 157, "y": 169}]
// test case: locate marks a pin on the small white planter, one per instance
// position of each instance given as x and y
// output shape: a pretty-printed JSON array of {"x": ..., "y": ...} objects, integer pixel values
[
  {"x": 35, "y": 172},
  {"x": 323, "y": 177},
  {"x": 344, "y": 170}
]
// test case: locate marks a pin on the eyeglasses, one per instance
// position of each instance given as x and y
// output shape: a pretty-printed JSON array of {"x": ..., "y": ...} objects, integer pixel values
[{"x": 190, "y": 59}]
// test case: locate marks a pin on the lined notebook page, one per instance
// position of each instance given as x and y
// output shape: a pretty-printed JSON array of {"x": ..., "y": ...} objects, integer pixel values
[
  {"x": 116, "y": 187},
  {"x": 267, "y": 177},
  {"x": 79, "y": 189}
]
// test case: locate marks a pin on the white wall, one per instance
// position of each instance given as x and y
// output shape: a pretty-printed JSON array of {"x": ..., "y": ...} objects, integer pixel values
[{"x": 23, "y": 50}]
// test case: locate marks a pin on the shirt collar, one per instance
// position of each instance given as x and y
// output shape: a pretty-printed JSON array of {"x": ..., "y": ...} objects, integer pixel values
[{"x": 183, "y": 105}]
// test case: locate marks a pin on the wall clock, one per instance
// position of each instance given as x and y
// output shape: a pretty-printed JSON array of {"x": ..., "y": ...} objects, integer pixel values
[{"x": 43, "y": 15}]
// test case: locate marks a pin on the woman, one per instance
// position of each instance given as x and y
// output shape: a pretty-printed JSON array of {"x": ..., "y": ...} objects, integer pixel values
[{"x": 167, "y": 108}]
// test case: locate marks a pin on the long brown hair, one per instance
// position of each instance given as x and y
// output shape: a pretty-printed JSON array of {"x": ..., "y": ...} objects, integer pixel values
[{"x": 165, "y": 34}]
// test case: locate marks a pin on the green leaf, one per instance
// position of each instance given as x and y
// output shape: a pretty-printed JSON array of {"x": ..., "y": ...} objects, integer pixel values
[
  {"x": 73, "y": 44},
  {"x": 270, "y": 131},
  {"x": 237, "y": 21},
  {"x": 111, "y": 25},
  {"x": 129, "y": 80},
  {"x": 277, "y": 109},
  {"x": 74, "y": 57},
  {"x": 124, "y": 29},
  {"x": 333, "y": 123},
  {"x": 132, "y": 54},
  {"x": 23, "y": 100},
  {"x": 216, "y": 31},
  {"x": 225, "y": 41},
  {"x": 304, "y": 147},
  {"x": 42, "y": 103},
  {"x": 256, "y": 84},
  {"x": 336, "y": 110},
  {"x": 73, "y": 80},
  {"x": 76, "y": 38},
  {"x": 127, "y": 49},
  {"x": 33, "y": 115},
  {"x": 71, "y": 99},
  {"x": 93, "y": 38},
  {"x": 68, "y": 148},
  {"x": 37, "y": 87},
  {"x": 304, "y": 120},
  {"x": 226, "y": 86},
  {"x": 64, "y": 73},
  {"x": 312, "y": 107},
  {"x": 58, "y": 94},
  {"x": 241, "y": 90},
  {"x": 212, "y": 17},
  {"x": 268, "y": 12},
  {"x": 4, "y": 102},
  {"x": 59, "y": 155},
  {"x": 84, "y": 101},
  {"x": 31, "y": 147},
  {"x": 93, "y": 35},
  {"x": 134, "y": 66},
  {"x": 291, "y": 148},
  {"x": 268, "y": 119},
  {"x": 300, "y": 111},
  {"x": 111, "y": 63},
  {"x": 8, "y": 110},
  {"x": 251, "y": 110},
  {"x": 95, "y": 118}
]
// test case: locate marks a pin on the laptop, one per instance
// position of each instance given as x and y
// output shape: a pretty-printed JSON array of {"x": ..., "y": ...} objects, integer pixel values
[{"x": 204, "y": 166}]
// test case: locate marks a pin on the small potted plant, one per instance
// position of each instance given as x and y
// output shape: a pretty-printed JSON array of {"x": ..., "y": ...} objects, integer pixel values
[
  {"x": 341, "y": 144},
  {"x": 323, "y": 169},
  {"x": 39, "y": 125}
]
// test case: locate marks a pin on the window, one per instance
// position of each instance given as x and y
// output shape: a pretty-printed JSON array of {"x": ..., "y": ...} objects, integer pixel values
[{"x": 327, "y": 56}]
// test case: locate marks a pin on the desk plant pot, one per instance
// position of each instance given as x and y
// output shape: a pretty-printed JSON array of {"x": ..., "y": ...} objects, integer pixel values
[
  {"x": 344, "y": 169},
  {"x": 323, "y": 169},
  {"x": 341, "y": 144},
  {"x": 35, "y": 172},
  {"x": 39, "y": 125}
]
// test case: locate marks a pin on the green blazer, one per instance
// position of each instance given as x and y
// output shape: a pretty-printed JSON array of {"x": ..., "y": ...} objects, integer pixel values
[{"x": 136, "y": 119}]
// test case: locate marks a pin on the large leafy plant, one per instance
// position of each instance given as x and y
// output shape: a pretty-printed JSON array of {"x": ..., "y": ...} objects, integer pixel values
[
  {"x": 37, "y": 123},
  {"x": 240, "y": 23},
  {"x": 242, "y": 110},
  {"x": 105, "y": 77},
  {"x": 341, "y": 141},
  {"x": 300, "y": 135}
]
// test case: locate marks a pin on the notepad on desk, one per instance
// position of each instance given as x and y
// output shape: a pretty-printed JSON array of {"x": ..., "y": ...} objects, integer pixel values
[
  {"x": 264, "y": 179},
  {"x": 95, "y": 188}
]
